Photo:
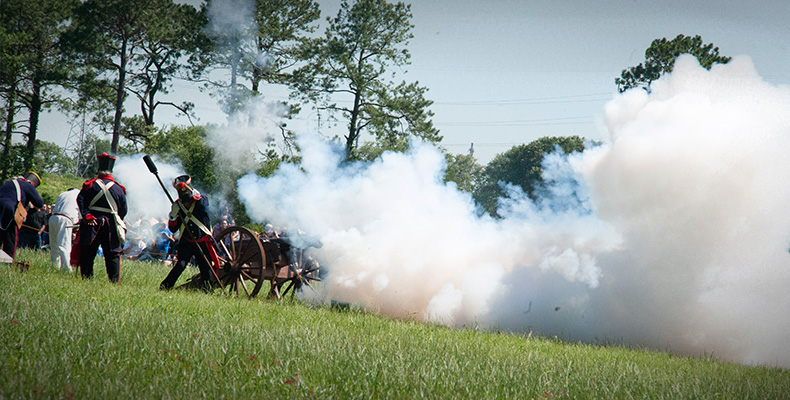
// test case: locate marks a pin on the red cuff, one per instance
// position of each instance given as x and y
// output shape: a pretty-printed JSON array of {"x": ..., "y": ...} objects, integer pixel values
[{"x": 89, "y": 217}]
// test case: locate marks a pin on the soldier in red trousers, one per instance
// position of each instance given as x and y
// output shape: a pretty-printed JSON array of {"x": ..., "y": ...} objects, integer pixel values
[{"x": 189, "y": 216}]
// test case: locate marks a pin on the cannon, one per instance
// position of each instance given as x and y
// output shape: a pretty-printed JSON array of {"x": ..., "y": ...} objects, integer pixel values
[{"x": 248, "y": 259}]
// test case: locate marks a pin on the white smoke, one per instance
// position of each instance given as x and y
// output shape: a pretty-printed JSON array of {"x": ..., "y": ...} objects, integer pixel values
[
  {"x": 256, "y": 125},
  {"x": 239, "y": 145},
  {"x": 231, "y": 18},
  {"x": 399, "y": 241},
  {"x": 145, "y": 200},
  {"x": 674, "y": 235}
]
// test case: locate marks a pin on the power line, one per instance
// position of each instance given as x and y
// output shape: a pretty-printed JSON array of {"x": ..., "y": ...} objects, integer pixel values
[
  {"x": 580, "y": 120},
  {"x": 478, "y": 144},
  {"x": 580, "y": 98},
  {"x": 535, "y": 100}
]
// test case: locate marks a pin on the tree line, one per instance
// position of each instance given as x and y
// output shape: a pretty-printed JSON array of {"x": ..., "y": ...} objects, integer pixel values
[{"x": 90, "y": 59}]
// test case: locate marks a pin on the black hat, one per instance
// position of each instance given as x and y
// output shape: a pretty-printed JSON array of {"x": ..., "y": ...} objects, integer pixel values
[
  {"x": 181, "y": 183},
  {"x": 33, "y": 178},
  {"x": 106, "y": 162}
]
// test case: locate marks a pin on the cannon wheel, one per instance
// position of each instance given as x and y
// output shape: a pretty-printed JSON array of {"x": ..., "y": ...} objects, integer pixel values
[
  {"x": 242, "y": 261},
  {"x": 303, "y": 273}
]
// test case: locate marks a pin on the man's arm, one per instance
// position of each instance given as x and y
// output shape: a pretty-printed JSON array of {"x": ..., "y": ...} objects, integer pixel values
[{"x": 31, "y": 194}]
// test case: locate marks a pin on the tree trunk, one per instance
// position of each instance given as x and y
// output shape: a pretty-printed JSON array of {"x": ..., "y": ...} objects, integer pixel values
[
  {"x": 9, "y": 132},
  {"x": 353, "y": 131},
  {"x": 256, "y": 79},
  {"x": 234, "y": 67},
  {"x": 148, "y": 114},
  {"x": 119, "y": 97},
  {"x": 257, "y": 71},
  {"x": 35, "y": 113}
]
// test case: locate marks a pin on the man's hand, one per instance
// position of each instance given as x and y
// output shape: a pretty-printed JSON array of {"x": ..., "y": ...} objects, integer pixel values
[
  {"x": 91, "y": 220},
  {"x": 174, "y": 208}
]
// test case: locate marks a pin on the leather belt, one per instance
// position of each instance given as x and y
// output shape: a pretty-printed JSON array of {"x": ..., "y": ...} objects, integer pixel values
[{"x": 64, "y": 215}]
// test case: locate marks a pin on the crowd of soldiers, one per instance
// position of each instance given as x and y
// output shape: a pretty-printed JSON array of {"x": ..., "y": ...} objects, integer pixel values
[{"x": 88, "y": 221}]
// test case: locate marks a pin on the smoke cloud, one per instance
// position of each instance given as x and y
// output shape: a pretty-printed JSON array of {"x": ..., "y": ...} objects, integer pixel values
[
  {"x": 231, "y": 18},
  {"x": 145, "y": 200},
  {"x": 672, "y": 235},
  {"x": 239, "y": 145}
]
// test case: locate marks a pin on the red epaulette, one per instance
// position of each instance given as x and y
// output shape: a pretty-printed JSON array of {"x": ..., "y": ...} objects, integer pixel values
[
  {"x": 110, "y": 178},
  {"x": 88, "y": 184}
]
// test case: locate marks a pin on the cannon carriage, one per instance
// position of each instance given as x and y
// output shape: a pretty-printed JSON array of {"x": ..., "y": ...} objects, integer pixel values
[{"x": 249, "y": 259}]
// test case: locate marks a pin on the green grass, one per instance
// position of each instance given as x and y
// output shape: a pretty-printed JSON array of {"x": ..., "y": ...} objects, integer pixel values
[
  {"x": 54, "y": 184},
  {"x": 64, "y": 337}
]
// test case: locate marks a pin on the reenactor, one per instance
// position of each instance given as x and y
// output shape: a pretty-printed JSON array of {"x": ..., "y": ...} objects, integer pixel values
[
  {"x": 15, "y": 194},
  {"x": 65, "y": 215},
  {"x": 189, "y": 215},
  {"x": 102, "y": 204}
]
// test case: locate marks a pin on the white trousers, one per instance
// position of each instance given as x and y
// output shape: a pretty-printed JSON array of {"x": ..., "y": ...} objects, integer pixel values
[{"x": 60, "y": 241}]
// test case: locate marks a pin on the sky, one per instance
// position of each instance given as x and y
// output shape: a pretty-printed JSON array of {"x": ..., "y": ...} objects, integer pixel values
[
  {"x": 503, "y": 73},
  {"x": 508, "y": 72}
]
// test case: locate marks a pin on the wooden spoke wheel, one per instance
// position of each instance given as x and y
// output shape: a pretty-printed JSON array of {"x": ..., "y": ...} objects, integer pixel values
[
  {"x": 242, "y": 261},
  {"x": 295, "y": 277}
]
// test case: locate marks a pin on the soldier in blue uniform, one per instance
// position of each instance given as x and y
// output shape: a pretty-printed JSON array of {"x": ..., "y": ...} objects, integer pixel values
[
  {"x": 15, "y": 192},
  {"x": 192, "y": 208},
  {"x": 99, "y": 200}
]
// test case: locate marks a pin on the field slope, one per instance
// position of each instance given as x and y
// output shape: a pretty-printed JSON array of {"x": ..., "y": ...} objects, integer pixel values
[{"x": 64, "y": 337}]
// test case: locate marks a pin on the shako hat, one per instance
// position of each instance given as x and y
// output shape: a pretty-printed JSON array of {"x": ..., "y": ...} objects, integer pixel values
[
  {"x": 106, "y": 162},
  {"x": 33, "y": 178},
  {"x": 181, "y": 183}
]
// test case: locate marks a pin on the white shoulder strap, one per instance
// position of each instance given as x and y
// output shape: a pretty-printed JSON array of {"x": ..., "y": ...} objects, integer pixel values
[
  {"x": 18, "y": 191},
  {"x": 190, "y": 217},
  {"x": 106, "y": 193}
]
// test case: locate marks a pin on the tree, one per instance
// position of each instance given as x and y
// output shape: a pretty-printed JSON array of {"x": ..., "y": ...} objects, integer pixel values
[
  {"x": 282, "y": 25},
  {"x": 521, "y": 166},
  {"x": 10, "y": 78},
  {"x": 31, "y": 63},
  {"x": 107, "y": 34},
  {"x": 175, "y": 33},
  {"x": 133, "y": 46},
  {"x": 187, "y": 145},
  {"x": 464, "y": 170},
  {"x": 352, "y": 61},
  {"x": 259, "y": 45},
  {"x": 660, "y": 59},
  {"x": 50, "y": 157}
]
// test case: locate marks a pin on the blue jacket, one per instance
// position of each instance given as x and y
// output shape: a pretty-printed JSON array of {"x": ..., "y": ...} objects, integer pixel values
[
  {"x": 91, "y": 189},
  {"x": 199, "y": 212},
  {"x": 28, "y": 193}
]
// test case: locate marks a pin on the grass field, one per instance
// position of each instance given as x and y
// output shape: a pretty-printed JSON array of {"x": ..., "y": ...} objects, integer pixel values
[{"x": 65, "y": 337}]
